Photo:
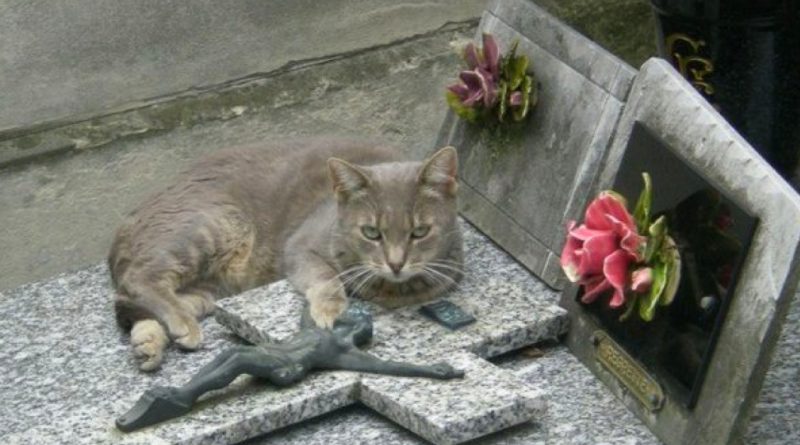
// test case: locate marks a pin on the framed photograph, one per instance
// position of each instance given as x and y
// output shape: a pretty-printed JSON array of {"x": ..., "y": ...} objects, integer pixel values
[{"x": 693, "y": 368}]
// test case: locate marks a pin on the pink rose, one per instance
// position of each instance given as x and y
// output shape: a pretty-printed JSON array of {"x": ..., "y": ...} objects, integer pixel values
[{"x": 598, "y": 253}]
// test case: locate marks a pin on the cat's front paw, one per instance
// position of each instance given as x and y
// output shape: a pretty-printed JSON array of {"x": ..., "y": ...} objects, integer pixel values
[{"x": 325, "y": 305}]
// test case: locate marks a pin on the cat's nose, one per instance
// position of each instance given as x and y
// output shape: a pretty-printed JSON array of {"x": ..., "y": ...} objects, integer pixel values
[{"x": 396, "y": 267}]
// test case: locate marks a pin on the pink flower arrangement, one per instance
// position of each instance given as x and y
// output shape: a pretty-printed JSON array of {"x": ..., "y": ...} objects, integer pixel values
[
  {"x": 622, "y": 254},
  {"x": 492, "y": 85}
]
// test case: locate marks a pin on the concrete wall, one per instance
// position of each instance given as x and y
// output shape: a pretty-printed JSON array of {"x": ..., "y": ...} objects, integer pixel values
[{"x": 68, "y": 59}]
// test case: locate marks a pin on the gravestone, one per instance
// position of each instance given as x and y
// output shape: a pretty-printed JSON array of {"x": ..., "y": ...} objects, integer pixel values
[
  {"x": 696, "y": 379},
  {"x": 520, "y": 185},
  {"x": 512, "y": 309},
  {"x": 70, "y": 381}
]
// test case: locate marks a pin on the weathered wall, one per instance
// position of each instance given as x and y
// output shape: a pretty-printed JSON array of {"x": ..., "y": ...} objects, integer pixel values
[{"x": 64, "y": 59}]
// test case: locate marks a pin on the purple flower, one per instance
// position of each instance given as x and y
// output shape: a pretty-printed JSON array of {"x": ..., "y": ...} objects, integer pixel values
[
  {"x": 479, "y": 84},
  {"x": 493, "y": 86},
  {"x": 487, "y": 58}
]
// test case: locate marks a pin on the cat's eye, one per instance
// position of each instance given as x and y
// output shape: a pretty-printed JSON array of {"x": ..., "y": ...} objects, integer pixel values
[
  {"x": 371, "y": 233},
  {"x": 420, "y": 232}
]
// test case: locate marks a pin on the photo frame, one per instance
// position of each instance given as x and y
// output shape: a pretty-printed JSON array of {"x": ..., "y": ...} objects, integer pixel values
[{"x": 664, "y": 109}]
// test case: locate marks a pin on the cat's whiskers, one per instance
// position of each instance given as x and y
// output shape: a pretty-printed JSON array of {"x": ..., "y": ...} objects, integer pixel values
[
  {"x": 355, "y": 278},
  {"x": 426, "y": 271},
  {"x": 348, "y": 275},
  {"x": 364, "y": 282},
  {"x": 455, "y": 267},
  {"x": 438, "y": 278},
  {"x": 452, "y": 231},
  {"x": 431, "y": 268}
]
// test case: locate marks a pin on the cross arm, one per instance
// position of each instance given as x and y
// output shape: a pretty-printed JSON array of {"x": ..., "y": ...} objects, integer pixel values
[{"x": 355, "y": 360}]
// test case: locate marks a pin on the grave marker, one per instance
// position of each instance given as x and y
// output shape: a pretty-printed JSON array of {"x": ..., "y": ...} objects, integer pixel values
[
  {"x": 705, "y": 373},
  {"x": 520, "y": 184}
]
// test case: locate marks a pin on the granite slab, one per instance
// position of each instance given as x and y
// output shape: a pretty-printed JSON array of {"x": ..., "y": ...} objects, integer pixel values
[
  {"x": 67, "y": 375},
  {"x": 266, "y": 314},
  {"x": 512, "y": 309},
  {"x": 487, "y": 400},
  {"x": 775, "y": 417},
  {"x": 580, "y": 408},
  {"x": 580, "y": 411}
]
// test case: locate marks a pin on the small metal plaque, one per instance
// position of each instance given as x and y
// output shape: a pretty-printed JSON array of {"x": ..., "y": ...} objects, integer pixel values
[
  {"x": 627, "y": 371},
  {"x": 447, "y": 313}
]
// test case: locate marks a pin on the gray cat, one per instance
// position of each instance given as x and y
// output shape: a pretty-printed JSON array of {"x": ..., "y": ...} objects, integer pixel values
[{"x": 334, "y": 217}]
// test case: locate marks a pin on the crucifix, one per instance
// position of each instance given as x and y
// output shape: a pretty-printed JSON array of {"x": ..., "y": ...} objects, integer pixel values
[
  {"x": 512, "y": 309},
  {"x": 281, "y": 364}
]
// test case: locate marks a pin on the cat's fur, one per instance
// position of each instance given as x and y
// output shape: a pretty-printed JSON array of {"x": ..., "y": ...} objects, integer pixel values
[{"x": 245, "y": 217}]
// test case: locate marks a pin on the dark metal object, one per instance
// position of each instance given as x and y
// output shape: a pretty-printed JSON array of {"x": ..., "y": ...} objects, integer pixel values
[
  {"x": 447, "y": 313},
  {"x": 627, "y": 371},
  {"x": 742, "y": 56},
  {"x": 281, "y": 364}
]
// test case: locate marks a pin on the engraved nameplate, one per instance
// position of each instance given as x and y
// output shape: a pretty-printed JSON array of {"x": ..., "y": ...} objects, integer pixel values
[{"x": 627, "y": 371}]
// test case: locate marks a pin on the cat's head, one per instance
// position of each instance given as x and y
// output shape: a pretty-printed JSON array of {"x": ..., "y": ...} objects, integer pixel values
[{"x": 398, "y": 220}]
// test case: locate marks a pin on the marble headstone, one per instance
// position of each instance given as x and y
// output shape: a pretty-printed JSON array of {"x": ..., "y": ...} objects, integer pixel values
[
  {"x": 663, "y": 105},
  {"x": 521, "y": 184}
]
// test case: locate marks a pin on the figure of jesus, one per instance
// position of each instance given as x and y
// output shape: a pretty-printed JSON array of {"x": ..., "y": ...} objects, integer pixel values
[{"x": 281, "y": 364}]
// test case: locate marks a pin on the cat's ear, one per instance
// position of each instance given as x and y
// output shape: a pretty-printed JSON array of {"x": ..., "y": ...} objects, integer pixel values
[
  {"x": 347, "y": 179},
  {"x": 440, "y": 171}
]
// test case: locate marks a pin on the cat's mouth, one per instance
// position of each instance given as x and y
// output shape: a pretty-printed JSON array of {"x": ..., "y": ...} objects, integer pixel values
[{"x": 399, "y": 277}]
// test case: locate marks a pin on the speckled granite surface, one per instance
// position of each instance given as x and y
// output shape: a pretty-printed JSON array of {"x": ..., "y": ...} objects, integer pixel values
[
  {"x": 487, "y": 400},
  {"x": 580, "y": 410},
  {"x": 512, "y": 309},
  {"x": 66, "y": 374},
  {"x": 776, "y": 418}
]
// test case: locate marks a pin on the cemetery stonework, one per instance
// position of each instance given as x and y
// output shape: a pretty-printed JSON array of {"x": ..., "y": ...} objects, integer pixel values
[
  {"x": 512, "y": 311},
  {"x": 512, "y": 308},
  {"x": 521, "y": 186},
  {"x": 68, "y": 373},
  {"x": 708, "y": 154}
]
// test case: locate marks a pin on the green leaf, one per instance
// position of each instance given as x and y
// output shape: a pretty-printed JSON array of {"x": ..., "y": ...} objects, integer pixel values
[
  {"x": 631, "y": 305},
  {"x": 508, "y": 60},
  {"x": 517, "y": 67},
  {"x": 673, "y": 261},
  {"x": 648, "y": 303},
  {"x": 657, "y": 232},
  {"x": 468, "y": 113},
  {"x": 520, "y": 112},
  {"x": 503, "y": 96},
  {"x": 641, "y": 213}
]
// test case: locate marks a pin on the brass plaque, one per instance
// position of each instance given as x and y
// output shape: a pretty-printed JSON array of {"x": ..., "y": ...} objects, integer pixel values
[{"x": 627, "y": 371}]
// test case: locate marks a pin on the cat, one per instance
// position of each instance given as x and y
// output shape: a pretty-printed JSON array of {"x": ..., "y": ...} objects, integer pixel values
[{"x": 332, "y": 216}]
